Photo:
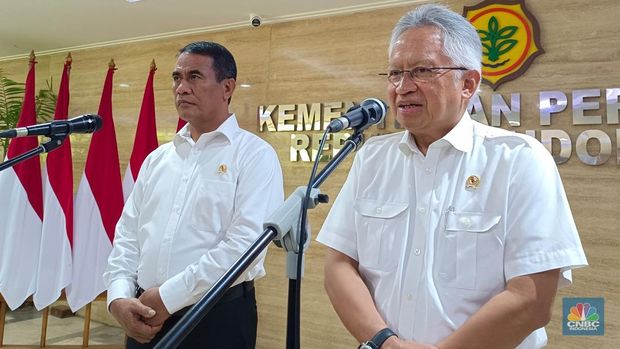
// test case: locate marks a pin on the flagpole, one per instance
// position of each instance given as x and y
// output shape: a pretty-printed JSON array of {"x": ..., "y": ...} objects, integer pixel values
[
  {"x": 145, "y": 140},
  {"x": 22, "y": 215},
  {"x": 55, "y": 257},
  {"x": 97, "y": 207}
]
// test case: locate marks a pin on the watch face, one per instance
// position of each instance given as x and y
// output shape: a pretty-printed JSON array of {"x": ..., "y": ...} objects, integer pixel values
[{"x": 365, "y": 346}]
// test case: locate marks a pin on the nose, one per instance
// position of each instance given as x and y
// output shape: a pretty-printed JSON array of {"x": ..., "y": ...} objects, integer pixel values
[
  {"x": 181, "y": 87},
  {"x": 406, "y": 85}
]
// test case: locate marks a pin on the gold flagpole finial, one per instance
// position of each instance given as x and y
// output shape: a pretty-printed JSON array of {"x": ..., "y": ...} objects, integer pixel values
[
  {"x": 68, "y": 60},
  {"x": 112, "y": 65},
  {"x": 32, "y": 58},
  {"x": 153, "y": 65}
]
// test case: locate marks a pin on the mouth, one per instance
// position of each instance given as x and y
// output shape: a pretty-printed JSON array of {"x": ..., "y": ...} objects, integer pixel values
[
  {"x": 182, "y": 103},
  {"x": 409, "y": 106}
]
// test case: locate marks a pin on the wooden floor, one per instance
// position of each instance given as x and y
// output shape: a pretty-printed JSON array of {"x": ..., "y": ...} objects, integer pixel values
[{"x": 28, "y": 328}]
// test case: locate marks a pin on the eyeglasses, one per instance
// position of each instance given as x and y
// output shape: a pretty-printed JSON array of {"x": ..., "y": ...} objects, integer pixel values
[{"x": 418, "y": 74}]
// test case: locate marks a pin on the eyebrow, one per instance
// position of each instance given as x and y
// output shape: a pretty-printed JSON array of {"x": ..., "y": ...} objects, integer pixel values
[
  {"x": 415, "y": 64},
  {"x": 193, "y": 71}
]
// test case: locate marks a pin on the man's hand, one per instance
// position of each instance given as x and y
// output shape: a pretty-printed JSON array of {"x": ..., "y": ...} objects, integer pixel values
[
  {"x": 152, "y": 299},
  {"x": 131, "y": 314}
]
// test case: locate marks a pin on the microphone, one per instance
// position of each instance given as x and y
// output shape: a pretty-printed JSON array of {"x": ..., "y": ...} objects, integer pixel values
[
  {"x": 370, "y": 112},
  {"x": 88, "y": 123}
]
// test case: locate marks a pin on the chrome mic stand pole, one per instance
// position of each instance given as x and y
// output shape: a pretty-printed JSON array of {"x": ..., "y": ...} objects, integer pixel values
[
  {"x": 54, "y": 142},
  {"x": 283, "y": 228}
]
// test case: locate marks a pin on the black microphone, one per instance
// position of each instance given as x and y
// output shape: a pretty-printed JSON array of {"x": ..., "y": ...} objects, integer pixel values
[
  {"x": 88, "y": 123},
  {"x": 370, "y": 112}
]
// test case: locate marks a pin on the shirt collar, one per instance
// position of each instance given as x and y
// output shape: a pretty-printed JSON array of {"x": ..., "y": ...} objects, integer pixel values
[
  {"x": 460, "y": 137},
  {"x": 227, "y": 129},
  {"x": 407, "y": 144}
]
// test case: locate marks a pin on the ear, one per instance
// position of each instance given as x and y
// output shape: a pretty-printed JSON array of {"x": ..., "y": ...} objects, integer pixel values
[
  {"x": 229, "y": 87},
  {"x": 471, "y": 81}
]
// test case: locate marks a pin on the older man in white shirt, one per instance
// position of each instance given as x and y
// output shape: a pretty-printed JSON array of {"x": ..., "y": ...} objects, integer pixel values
[
  {"x": 199, "y": 202},
  {"x": 451, "y": 234}
]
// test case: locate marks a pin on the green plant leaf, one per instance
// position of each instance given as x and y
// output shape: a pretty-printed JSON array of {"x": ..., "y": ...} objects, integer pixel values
[
  {"x": 11, "y": 95},
  {"x": 484, "y": 35},
  {"x": 486, "y": 50},
  {"x": 12, "y": 98},
  {"x": 505, "y": 46},
  {"x": 493, "y": 25},
  {"x": 46, "y": 102},
  {"x": 507, "y": 32}
]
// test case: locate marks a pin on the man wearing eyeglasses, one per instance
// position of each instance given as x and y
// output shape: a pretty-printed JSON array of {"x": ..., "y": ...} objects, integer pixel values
[{"x": 451, "y": 234}]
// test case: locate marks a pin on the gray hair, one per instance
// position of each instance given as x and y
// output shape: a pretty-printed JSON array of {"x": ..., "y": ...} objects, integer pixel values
[{"x": 461, "y": 42}]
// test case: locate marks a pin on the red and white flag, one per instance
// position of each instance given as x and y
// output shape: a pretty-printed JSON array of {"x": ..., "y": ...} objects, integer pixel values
[
  {"x": 98, "y": 206},
  {"x": 180, "y": 124},
  {"x": 55, "y": 266},
  {"x": 146, "y": 135},
  {"x": 21, "y": 210}
]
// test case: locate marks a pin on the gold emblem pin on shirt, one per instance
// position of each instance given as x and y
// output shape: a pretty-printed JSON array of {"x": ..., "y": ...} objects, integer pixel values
[
  {"x": 222, "y": 169},
  {"x": 473, "y": 182}
]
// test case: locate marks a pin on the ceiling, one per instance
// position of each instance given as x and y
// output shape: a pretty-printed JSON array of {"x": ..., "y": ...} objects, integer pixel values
[{"x": 51, "y": 26}]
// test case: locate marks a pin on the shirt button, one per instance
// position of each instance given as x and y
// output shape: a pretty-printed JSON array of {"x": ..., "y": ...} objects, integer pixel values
[
  {"x": 422, "y": 210},
  {"x": 409, "y": 296},
  {"x": 428, "y": 170},
  {"x": 465, "y": 221},
  {"x": 379, "y": 210},
  {"x": 417, "y": 251}
]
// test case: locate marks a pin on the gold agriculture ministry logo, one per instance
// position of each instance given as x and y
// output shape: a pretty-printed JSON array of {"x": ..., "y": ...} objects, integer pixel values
[{"x": 510, "y": 38}]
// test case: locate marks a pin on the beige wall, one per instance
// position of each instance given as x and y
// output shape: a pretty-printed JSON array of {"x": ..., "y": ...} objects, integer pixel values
[{"x": 336, "y": 59}]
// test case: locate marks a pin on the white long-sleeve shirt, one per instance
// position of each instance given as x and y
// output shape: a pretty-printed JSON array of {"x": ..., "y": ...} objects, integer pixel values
[{"x": 195, "y": 208}]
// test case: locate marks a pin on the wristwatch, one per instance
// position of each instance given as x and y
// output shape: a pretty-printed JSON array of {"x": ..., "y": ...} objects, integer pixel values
[{"x": 378, "y": 339}]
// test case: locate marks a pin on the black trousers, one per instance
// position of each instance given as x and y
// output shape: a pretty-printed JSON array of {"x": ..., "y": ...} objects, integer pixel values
[{"x": 231, "y": 324}]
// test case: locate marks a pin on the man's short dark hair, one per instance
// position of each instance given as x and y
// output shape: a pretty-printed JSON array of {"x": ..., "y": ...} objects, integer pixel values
[{"x": 223, "y": 61}]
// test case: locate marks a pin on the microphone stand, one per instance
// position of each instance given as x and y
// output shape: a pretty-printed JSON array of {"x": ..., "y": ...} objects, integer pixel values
[
  {"x": 283, "y": 228},
  {"x": 55, "y": 141}
]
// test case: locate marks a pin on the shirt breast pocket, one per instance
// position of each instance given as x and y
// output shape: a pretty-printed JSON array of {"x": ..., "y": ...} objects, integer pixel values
[
  {"x": 469, "y": 251},
  {"x": 213, "y": 206},
  {"x": 381, "y": 228}
]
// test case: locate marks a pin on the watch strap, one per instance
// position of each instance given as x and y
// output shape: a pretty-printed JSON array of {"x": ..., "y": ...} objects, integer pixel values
[{"x": 377, "y": 340}]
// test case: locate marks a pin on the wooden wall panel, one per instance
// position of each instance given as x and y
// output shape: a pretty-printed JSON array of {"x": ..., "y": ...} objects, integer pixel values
[{"x": 336, "y": 59}]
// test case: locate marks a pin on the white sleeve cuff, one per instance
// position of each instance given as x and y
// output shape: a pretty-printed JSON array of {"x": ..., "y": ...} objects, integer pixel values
[
  {"x": 565, "y": 260},
  {"x": 337, "y": 242},
  {"x": 175, "y": 295},
  {"x": 121, "y": 288}
]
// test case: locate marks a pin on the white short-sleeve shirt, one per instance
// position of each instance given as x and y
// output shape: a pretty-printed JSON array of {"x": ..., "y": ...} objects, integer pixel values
[{"x": 437, "y": 236}]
